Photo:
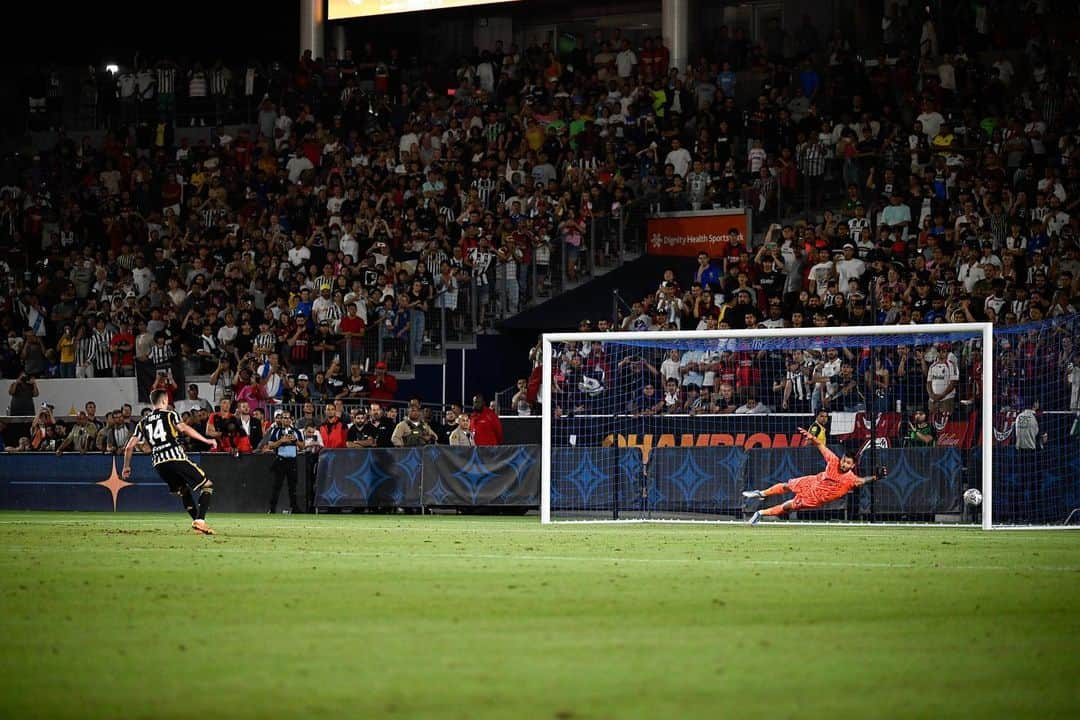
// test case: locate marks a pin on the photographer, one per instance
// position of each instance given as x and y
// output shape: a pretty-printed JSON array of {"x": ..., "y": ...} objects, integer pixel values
[
  {"x": 22, "y": 393},
  {"x": 41, "y": 430},
  {"x": 164, "y": 381},
  {"x": 222, "y": 378}
]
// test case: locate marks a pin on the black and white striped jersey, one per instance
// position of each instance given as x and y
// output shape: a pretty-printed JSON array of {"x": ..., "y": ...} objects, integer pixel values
[
  {"x": 159, "y": 430},
  {"x": 103, "y": 359}
]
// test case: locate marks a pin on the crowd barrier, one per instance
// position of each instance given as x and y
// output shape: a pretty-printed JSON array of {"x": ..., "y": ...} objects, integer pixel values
[{"x": 921, "y": 481}]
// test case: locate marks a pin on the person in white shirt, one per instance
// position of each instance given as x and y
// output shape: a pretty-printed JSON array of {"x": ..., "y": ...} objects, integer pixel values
[
  {"x": 348, "y": 244},
  {"x": 322, "y": 304},
  {"x": 299, "y": 254},
  {"x": 896, "y": 215},
  {"x": 931, "y": 121},
  {"x": 297, "y": 165},
  {"x": 942, "y": 379},
  {"x": 226, "y": 334},
  {"x": 333, "y": 206},
  {"x": 625, "y": 61},
  {"x": 669, "y": 369},
  {"x": 408, "y": 140},
  {"x": 947, "y": 74},
  {"x": 751, "y": 407},
  {"x": 1035, "y": 130},
  {"x": 850, "y": 267},
  {"x": 821, "y": 272},
  {"x": 969, "y": 269},
  {"x": 1005, "y": 70},
  {"x": 679, "y": 157},
  {"x": 690, "y": 368},
  {"x": 142, "y": 276}
]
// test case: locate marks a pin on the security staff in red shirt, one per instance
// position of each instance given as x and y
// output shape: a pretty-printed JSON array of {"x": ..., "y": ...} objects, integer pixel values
[{"x": 485, "y": 424}]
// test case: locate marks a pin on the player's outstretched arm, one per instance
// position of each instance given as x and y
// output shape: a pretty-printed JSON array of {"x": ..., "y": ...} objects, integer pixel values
[
  {"x": 881, "y": 472},
  {"x": 196, "y": 435},
  {"x": 132, "y": 442},
  {"x": 814, "y": 440}
]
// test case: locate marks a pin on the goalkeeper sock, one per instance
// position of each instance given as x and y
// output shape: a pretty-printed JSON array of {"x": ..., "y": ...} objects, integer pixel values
[
  {"x": 189, "y": 503},
  {"x": 777, "y": 489},
  {"x": 204, "y": 501}
]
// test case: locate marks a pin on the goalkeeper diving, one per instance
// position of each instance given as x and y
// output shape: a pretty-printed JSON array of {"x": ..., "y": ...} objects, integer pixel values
[{"x": 813, "y": 491}]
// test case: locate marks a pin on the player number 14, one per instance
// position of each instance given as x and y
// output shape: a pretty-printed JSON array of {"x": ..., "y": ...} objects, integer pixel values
[{"x": 157, "y": 431}]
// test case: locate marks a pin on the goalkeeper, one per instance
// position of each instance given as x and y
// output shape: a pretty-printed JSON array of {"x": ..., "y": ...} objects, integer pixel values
[{"x": 812, "y": 491}]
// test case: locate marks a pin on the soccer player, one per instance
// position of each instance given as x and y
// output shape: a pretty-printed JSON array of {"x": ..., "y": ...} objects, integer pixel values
[
  {"x": 161, "y": 429},
  {"x": 812, "y": 491}
]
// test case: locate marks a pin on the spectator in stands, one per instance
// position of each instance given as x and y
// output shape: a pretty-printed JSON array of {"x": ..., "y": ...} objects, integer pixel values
[
  {"x": 198, "y": 419},
  {"x": 91, "y": 414},
  {"x": 307, "y": 417},
  {"x": 381, "y": 426},
  {"x": 192, "y": 401},
  {"x": 114, "y": 436},
  {"x": 383, "y": 385},
  {"x": 81, "y": 437},
  {"x": 942, "y": 380},
  {"x": 224, "y": 412},
  {"x": 751, "y": 407},
  {"x": 249, "y": 422},
  {"x": 333, "y": 431},
  {"x": 232, "y": 437}
]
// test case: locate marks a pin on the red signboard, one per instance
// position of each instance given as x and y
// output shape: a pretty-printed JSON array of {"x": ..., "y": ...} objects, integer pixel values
[{"x": 691, "y": 233}]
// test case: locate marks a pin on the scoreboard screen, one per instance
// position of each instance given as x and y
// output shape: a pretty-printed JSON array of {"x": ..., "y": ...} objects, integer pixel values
[{"x": 343, "y": 9}]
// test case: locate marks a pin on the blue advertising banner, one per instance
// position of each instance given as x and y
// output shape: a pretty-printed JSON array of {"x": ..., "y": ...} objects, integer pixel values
[
  {"x": 920, "y": 481},
  {"x": 1036, "y": 486},
  {"x": 369, "y": 478},
  {"x": 696, "y": 479},
  {"x": 593, "y": 478},
  {"x": 90, "y": 482},
  {"x": 504, "y": 476}
]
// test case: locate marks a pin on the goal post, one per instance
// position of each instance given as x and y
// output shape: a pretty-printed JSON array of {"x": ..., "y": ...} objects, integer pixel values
[{"x": 643, "y": 426}]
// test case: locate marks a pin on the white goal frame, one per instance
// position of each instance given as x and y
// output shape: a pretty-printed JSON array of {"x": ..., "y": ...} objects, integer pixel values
[{"x": 984, "y": 330}]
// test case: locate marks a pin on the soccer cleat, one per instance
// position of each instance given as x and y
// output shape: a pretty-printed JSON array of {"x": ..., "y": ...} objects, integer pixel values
[
  {"x": 753, "y": 494},
  {"x": 200, "y": 526},
  {"x": 755, "y": 518}
]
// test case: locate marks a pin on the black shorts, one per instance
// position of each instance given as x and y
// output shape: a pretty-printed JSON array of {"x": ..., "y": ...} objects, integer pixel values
[{"x": 178, "y": 473}]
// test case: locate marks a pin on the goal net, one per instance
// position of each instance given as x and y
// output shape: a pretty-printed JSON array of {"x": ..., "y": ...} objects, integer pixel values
[{"x": 668, "y": 426}]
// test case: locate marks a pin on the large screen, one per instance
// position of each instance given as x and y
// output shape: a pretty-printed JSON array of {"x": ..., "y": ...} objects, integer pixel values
[{"x": 342, "y": 9}]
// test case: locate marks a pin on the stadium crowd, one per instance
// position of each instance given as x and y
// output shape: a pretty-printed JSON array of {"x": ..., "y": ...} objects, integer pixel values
[
  {"x": 367, "y": 214},
  {"x": 239, "y": 428},
  {"x": 918, "y": 187}
]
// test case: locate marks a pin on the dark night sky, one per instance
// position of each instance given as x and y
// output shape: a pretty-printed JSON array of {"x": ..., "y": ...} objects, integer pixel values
[{"x": 62, "y": 32}]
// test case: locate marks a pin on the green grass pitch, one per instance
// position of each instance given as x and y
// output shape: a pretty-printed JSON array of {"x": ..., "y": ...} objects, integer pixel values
[{"x": 132, "y": 616}]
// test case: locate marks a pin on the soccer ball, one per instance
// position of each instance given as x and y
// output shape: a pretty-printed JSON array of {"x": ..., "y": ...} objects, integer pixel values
[{"x": 972, "y": 497}]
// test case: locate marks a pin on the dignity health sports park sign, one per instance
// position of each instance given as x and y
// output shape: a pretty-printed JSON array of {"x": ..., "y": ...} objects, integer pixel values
[{"x": 692, "y": 232}]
